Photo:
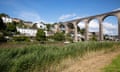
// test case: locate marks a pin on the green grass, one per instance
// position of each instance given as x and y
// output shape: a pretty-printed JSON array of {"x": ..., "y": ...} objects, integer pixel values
[
  {"x": 45, "y": 58},
  {"x": 114, "y": 66}
]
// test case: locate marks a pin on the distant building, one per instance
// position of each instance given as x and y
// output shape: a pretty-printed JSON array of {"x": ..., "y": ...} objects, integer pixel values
[
  {"x": 7, "y": 19},
  {"x": 28, "y": 23},
  {"x": 48, "y": 33},
  {"x": 79, "y": 36},
  {"x": 16, "y": 20},
  {"x": 27, "y": 31},
  {"x": 93, "y": 34},
  {"x": 111, "y": 37},
  {"x": 40, "y": 25}
]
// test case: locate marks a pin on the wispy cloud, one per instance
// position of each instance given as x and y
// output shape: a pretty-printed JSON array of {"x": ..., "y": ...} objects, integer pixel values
[
  {"x": 108, "y": 28},
  {"x": 29, "y": 16},
  {"x": 116, "y": 9},
  {"x": 77, "y": 17},
  {"x": 67, "y": 16}
]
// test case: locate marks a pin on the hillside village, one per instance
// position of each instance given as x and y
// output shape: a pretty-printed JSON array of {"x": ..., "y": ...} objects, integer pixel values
[{"x": 29, "y": 29}]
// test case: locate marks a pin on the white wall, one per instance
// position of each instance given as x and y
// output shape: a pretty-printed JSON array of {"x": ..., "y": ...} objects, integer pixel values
[
  {"x": 27, "y": 32},
  {"x": 6, "y": 19}
]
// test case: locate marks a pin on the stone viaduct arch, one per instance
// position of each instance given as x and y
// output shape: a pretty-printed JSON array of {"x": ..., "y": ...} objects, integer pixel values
[{"x": 86, "y": 20}]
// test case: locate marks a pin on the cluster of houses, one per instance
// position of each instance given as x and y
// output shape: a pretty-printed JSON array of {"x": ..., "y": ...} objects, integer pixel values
[
  {"x": 27, "y": 31},
  {"x": 31, "y": 32}
]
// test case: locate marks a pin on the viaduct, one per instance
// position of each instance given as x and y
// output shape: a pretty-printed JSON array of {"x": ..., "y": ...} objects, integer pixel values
[{"x": 86, "y": 20}]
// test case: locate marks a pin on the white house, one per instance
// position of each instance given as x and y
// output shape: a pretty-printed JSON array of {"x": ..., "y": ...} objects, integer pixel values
[
  {"x": 79, "y": 36},
  {"x": 27, "y": 31},
  {"x": 41, "y": 25},
  {"x": 7, "y": 19}
]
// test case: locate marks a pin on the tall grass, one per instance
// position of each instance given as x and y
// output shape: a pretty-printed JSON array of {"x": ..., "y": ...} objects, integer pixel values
[{"x": 44, "y": 58}]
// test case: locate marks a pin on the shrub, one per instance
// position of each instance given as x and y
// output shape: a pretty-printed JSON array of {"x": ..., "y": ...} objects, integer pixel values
[
  {"x": 40, "y": 36},
  {"x": 2, "y": 39},
  {"x": 59, "y": 36},
  {"x": 21, "y": 38}
]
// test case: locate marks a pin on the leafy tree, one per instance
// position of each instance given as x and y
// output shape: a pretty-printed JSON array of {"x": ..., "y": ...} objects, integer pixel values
[
  {"x": 40, "y": 36},
  {"x": 2, "y": 28},
  {"x": 48, "y": 27},
  {"x": 19, "y": 24},
  {"x": 78, "y": 28},
  {"x": 59, "y": 36},
  {"x": 82, "y": 31},
  {"x": 94, "y": 37},
  {"x": 2, "y": 25},
  {"x": 4, "y": 15},
  {"x": 11, "y": 27},
  {"x": 70, "y": 25}
]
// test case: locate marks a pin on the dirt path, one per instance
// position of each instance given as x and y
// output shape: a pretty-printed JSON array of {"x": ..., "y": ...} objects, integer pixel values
[{"x": 92, "y": 62}]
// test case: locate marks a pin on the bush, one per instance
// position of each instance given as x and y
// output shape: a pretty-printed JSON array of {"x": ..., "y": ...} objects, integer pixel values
[
  {"x": 69, "y": 38},
  {"x": 59, "y": 36},
  {"x": 21, "y": 38},
  {"x": 40, "y": 36},
  {"x": 2, "y": 39}
]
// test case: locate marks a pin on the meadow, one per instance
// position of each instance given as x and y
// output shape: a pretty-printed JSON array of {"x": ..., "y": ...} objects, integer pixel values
[{"x": 45, "y": 57}]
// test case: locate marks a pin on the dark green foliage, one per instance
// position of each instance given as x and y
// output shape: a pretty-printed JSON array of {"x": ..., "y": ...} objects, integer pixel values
[
  {"x": 2, "y": 39},
  {"x": 70, "y": 25},
  {"x": 78, "y": 28},
  {"x": 21, "y": 38},
  {"x": 40, "y": 36},
  {"x": 49, "y": 26},
  {"x": 2, "y": 28},
  {"x": 4, "y": 15},
  {"x": 59, "y": 36},
  {"x": 82, "y": 31},
  {"x": 94, "y": 38},
  {"x": 2, "y": 25},
  {"x": 11, "y": 27}
]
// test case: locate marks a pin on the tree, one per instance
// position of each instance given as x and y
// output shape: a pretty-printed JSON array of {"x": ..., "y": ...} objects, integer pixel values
[
  {"x": 11, "y": 27},
  {"x": 4, "y": 15},
  {"x": 70, "y": 25},
  {"x": 2, "y": 25},
  {"x": 59, "y": 36},
  {"x": 82, "y": 31},
  {"x": 2, "y": 28},
  {"x": 48, "y": 27},
  {"x": 78, "y": 28},
  {"x": 40, "y": 36},
  {"x": 94, "y": 37}
]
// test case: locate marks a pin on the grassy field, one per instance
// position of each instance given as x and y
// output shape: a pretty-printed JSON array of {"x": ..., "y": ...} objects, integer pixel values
[
  {"x": 114, "y": 66},
  {"x": 24, "y": 44},
  {"x": 46, "y": 58}
]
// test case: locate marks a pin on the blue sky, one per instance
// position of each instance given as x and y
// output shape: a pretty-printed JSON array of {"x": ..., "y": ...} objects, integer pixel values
[{"x": 57, "y": 10}]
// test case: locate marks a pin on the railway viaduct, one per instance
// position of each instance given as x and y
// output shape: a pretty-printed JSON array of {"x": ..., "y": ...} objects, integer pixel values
[{"x": 86, "y": 20}]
